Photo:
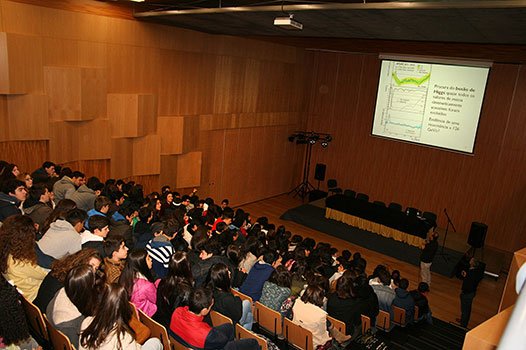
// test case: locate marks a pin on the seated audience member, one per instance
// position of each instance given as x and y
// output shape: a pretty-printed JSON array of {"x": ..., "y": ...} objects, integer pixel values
[
  {"x": 13, "y": 193},
  {"x": 383, "y": 290},
  {"x": 139, "y": 283},
  {"x": 44, "y": 173},
  {"x": 59, "y": 211},
  {"x": 404, "y": 300},
  {"x": 110, "y": 327},
  {"x": 277, "y": 289},
  {"x": 343, "y": 266},
  {"x": 14, "y": 331},
  {"x": 367, "y": 299},
  {"x": 259, "y": 274},
  {"x": 308, "y": 313},
  {"x": 239, "y": 311},
  {"x": 100, "y": 207},
  {"x": 160, "y": 249},
  {"x": 142, "y": 232},
  {"x": 116, "y": 253},
  {"x": 18, "y": 258},
  {"x": 188, "y": 327},
  {"x": 395, "y": 279},
  {"x": 343, "y": 305},
  {"x": 36, "y": 206},
  {"x": 420, "y": 297},
  {"x": 27, "y": 179},
  {"x": 124, "y": 228},
  {"x": 59, "y": 269},
  {"x": 117, "y": 200},
  {"x": 94, "y": 238},
  {"x": 63, "y": 236},
  {"x": 86, "y": 194},
  {"x": 209, "y": 256},
  {"x": 227, "y": 216},
  {"x": 66, "y": 186},
  {"x": 75, "y": 301},
  {"x": 174, "y": 289}
]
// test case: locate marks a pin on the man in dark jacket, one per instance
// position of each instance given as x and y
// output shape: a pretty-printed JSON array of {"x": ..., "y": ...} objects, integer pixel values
[
  {"x": 37, "y": 205},
  {"x": 13, "y": 193},
  {"x": 472, "y": 278},
  {"x": 404, "y": 300},
  {"x": 259, "y": 274}
]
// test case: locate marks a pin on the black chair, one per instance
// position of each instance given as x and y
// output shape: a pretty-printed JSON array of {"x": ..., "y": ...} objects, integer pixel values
[
  {"x": 362, "y": 197},
  {"x": 395, "y": 206},
  {"x": 349, "y": 193},
  {"x": 430, "y": 217},
  {"x": 412, "y": 211},
  {"x": 332, "y": 186},
  {"x": 379, "y": 203}
]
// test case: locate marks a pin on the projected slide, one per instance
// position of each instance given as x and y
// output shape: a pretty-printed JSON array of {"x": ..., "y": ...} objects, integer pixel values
[{"x": 433, "y": 104}]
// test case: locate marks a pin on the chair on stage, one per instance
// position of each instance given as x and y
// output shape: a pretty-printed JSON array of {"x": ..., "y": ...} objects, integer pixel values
[
  {"x": 395, "y": 206},
  {"x": 349, "y": 193},
  {"x": 379, "y": 203},
  {"x": 362, "y": 197},
  {"x": 332, "y": 186},
  {"x": 430, "y": 217}
]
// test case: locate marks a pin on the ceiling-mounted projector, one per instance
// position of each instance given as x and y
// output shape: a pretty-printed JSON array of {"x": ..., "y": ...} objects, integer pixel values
[{"x": 288, "y": 23}]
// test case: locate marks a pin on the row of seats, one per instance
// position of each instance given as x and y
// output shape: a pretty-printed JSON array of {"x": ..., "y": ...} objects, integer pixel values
[{"x": 333, "y": 188}]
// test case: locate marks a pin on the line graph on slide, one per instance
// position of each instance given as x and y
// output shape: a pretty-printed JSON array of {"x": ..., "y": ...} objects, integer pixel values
[{"x": 406, "y": 88}]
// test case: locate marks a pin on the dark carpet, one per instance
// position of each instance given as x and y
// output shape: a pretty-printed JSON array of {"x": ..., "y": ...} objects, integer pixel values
[{"x": 314, "y": 217}]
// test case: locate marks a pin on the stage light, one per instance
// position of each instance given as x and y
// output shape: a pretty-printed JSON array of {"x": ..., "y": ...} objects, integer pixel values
[{"x": 324, "y": 144}]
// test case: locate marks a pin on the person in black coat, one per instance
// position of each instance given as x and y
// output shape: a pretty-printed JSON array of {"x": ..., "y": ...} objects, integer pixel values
[{"x": 344, "y": 305}]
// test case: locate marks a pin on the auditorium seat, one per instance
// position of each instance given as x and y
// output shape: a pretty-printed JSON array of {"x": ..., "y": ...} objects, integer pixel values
[
  {"x": 349, "y": 193},
  {"x": 395, "y": 206},
  {"x": 362, "y": 197},
  {"x": 379, "y": 203},
  {"x": 430, "y": 217}
]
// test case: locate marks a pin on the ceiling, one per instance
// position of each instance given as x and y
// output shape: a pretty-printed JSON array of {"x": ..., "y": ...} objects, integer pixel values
[{"x": 487, "y": 22}]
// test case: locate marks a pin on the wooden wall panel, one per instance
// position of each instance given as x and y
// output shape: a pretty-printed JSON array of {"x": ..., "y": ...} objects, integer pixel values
[
  {"x": 121, "y": 158},
  {"x": 99, "y": 168},
  {"x": 28, "y": 155},
  {"x": 93, "y": 139},
  {"x": 178, "y": 134},
  {"x": 20, "y": 18},
  {"x": 27, "y": 117},
  {"x": 146, "y": 155},
  {"x": 4, "y": 123},
  {"x": 75, "y": 93},
  {"x": 132, "y": 115},
  {"x": 188, "y": 173},
  {"x": 20, "y": 63},
  {"x": 485, "y": 187}
]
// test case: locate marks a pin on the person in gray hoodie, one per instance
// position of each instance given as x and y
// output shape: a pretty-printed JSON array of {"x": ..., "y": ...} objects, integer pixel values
[
  {"x": 85, "y": 195},
  {"x": 37, "y": 205},
  {"x": 63, "y": 236}
]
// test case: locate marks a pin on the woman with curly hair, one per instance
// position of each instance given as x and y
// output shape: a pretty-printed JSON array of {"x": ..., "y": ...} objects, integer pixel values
[
  {"x": 59, "y": 269},
  {"x": 14, "y": 332},
  {"x": 18, "y": 258}
]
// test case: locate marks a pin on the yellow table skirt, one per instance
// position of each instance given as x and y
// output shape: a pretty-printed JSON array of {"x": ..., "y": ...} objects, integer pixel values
[{"x": 373, "y": 227}]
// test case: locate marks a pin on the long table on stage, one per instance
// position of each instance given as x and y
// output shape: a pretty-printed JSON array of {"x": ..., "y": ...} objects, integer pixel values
[{"x": 378, "y": 219}]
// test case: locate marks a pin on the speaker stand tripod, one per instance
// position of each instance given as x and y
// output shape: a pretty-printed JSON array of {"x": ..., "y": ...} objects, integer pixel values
[{"x": 303, "y": 189}]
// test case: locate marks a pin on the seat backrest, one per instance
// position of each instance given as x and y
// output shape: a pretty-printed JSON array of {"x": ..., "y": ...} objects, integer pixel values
[
  {"x": 58, "y": 340},
  {"x": 35, "y": 319},
  {"x": 297, "y": 335},
  {"x": 175, "y": 345},
  {"x": 395, "y": 206},
  {"x": 349, "y": 193},
  {"x": 339, "y": 325},
  {"x": 362, "y": 197},
  {"x": 383, "y": 320},
  {"x": 241, "y": 295},
  {"x": 157, "y": 330},
  {"x": 429, "y": 216},
  {"x": 398, "y": 316},
  {"x": 243, "y": 333},
  {"x": 331, "y": 183},
  {"x": 366, "y": 323},
  {"x": 268, "y": 318},
  {"x": 219, "y": 319},
  {"x": 379, "y": 203}
]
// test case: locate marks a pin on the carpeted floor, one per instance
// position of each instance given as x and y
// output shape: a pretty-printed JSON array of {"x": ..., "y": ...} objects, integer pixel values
[{"x": 314, "y": 217}]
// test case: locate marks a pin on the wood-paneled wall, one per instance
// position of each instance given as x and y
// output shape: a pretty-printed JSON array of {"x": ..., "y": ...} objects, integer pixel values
[
  {"x": 115, "y": 97},
  {"x": 488, "y": 187}
]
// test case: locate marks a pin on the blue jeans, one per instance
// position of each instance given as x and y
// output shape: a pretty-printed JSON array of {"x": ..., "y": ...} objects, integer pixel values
[{"x": 247, "y": 319}]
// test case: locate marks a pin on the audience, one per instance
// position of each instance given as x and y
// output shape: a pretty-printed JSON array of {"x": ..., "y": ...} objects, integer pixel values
[{"x": 139, "y": 246}]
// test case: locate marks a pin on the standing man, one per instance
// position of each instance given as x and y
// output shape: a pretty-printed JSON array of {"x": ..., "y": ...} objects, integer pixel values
[
  {"x": 472, "y": 278},
  {"x": 429, "y": 249}
]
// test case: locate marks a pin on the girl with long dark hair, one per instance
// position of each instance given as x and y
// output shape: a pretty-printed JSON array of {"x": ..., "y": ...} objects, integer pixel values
[
  {"x": 110, "y": 328},
  {"x": 138, "y": 281},
  {"x": 174, "y": 289},
  {"x": 224, "y": 301}
]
